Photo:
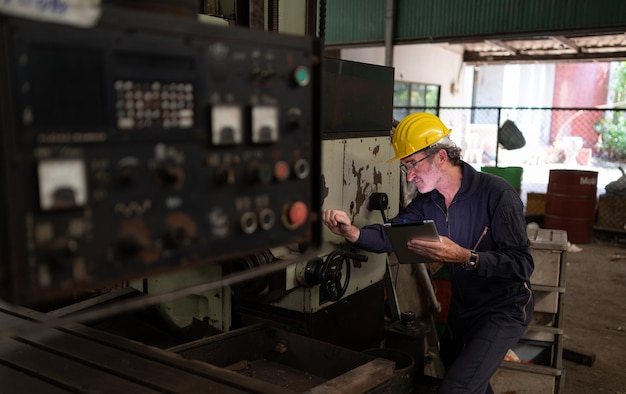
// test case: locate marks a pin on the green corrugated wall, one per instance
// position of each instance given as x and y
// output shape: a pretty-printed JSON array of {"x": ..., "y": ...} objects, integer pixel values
[
  {"x": 360, "y": 21},
  {"x": 350, "y": 20}
]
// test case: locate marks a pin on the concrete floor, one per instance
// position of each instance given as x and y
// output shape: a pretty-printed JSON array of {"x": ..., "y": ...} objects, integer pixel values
[{"x": 595, "y": 316}]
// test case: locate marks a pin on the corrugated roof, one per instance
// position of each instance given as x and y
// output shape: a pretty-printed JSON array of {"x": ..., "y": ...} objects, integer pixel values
[{"x": 489, "y": 30}]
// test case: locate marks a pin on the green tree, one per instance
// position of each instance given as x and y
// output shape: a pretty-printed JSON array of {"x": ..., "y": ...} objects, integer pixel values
[{"x": 612, "y": 129}]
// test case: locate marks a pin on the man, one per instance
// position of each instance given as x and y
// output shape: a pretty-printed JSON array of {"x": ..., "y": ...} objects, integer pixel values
[{"x": 483, "y": 244}]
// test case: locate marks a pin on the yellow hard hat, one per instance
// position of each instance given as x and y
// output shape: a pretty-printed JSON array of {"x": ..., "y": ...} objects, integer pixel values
[{"x": 416, "y": 132}]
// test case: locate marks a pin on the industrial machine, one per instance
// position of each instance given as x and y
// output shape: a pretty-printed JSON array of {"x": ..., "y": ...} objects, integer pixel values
[
  {"x": 327, "y": 294},
  {"x": 154, "y": 152},
  {"x": 343, "y": 288}
]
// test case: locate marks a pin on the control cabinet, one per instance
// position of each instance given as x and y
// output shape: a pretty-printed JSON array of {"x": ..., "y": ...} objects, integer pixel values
[{"x": 150, "y": 142}]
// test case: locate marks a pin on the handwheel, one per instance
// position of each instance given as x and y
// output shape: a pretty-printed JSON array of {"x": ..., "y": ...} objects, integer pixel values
[
  {"x": 328, "y": 273},
  {"x": 331, "y": 275}
]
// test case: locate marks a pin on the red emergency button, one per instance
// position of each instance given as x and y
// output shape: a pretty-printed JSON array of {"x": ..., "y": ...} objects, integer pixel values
[{"x": 296, "y": 214}]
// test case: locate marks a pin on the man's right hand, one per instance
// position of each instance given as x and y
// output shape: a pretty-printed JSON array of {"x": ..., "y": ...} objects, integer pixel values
[{"x": 338, "y": 222}]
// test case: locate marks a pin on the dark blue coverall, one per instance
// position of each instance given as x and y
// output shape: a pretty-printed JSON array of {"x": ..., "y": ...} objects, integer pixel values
[{"x": 492, "y": 306}]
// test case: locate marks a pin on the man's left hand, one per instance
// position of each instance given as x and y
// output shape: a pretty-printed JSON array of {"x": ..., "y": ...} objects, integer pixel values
[{"x": 445, "y": 251}]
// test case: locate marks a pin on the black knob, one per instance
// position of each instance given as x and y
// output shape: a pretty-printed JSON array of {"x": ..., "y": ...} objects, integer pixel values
[
  {"x": 294, "y": 117},
  {"x": 127, "y": 175},
  {"x": 312, "y": 271},
  {"x": 177, "y": 236},
  {"x": 127, "y": 170},
  {"x": 130, "y": 244},
  {"x": 259, "y": 172},
  {"x": 408, "y": 318},
  {"x": 224, "y": 175},
  {"x": 169, "y": 172},
  {"x": 379, "y": 201}
]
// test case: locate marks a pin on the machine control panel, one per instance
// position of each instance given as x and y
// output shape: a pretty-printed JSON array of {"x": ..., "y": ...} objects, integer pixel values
[{"x": 148, "y": 143}]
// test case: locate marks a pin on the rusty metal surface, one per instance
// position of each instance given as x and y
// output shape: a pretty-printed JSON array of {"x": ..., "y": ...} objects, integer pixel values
[
  {"x": 281, "y": 375},
  {"x": 80, "y": 359},
  {"x": 289, "y": 361}
]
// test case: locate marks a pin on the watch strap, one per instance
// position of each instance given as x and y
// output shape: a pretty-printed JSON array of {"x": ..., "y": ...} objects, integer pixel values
[{"x": 471, "y": 263}]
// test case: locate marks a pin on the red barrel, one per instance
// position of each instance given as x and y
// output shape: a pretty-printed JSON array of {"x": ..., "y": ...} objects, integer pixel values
[{"x": 571, "y": 203}]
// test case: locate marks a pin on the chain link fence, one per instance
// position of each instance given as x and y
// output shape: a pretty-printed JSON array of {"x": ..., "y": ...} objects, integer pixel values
[{"x": 588, "y": 139}]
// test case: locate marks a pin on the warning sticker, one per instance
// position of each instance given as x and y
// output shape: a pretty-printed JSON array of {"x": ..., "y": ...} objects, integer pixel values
[{"x": 80, "y": 13}]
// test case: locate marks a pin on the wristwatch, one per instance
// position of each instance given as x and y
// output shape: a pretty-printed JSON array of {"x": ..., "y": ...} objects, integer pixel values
[{"x": 471, "y": 264}]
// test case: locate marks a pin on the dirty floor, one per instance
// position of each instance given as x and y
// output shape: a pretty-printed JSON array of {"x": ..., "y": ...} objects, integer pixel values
[{"x": 595, "y": 317}]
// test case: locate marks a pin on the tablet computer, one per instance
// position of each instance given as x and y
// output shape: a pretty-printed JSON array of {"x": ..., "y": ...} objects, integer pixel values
[{"x": 400, "y": 233}]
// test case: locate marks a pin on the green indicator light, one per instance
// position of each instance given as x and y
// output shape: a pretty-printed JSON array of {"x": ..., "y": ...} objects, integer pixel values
[
  {"x": 302, "y": 76},
  {"x": 265, "y": 173}
]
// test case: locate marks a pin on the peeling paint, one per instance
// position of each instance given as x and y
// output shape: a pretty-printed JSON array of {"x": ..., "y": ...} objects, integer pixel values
[
  {"x": 325, "y": 190},
  {"x": 359, "y": 198},
  {"x": 377, "y": 177}
]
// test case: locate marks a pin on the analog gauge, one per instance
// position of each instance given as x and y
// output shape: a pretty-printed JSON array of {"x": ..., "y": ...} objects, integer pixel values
[{"x": 62, "y": 184}]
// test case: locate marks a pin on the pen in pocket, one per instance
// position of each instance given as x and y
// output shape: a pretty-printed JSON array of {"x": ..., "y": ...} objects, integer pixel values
[{"x": 481, "y": 237}]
